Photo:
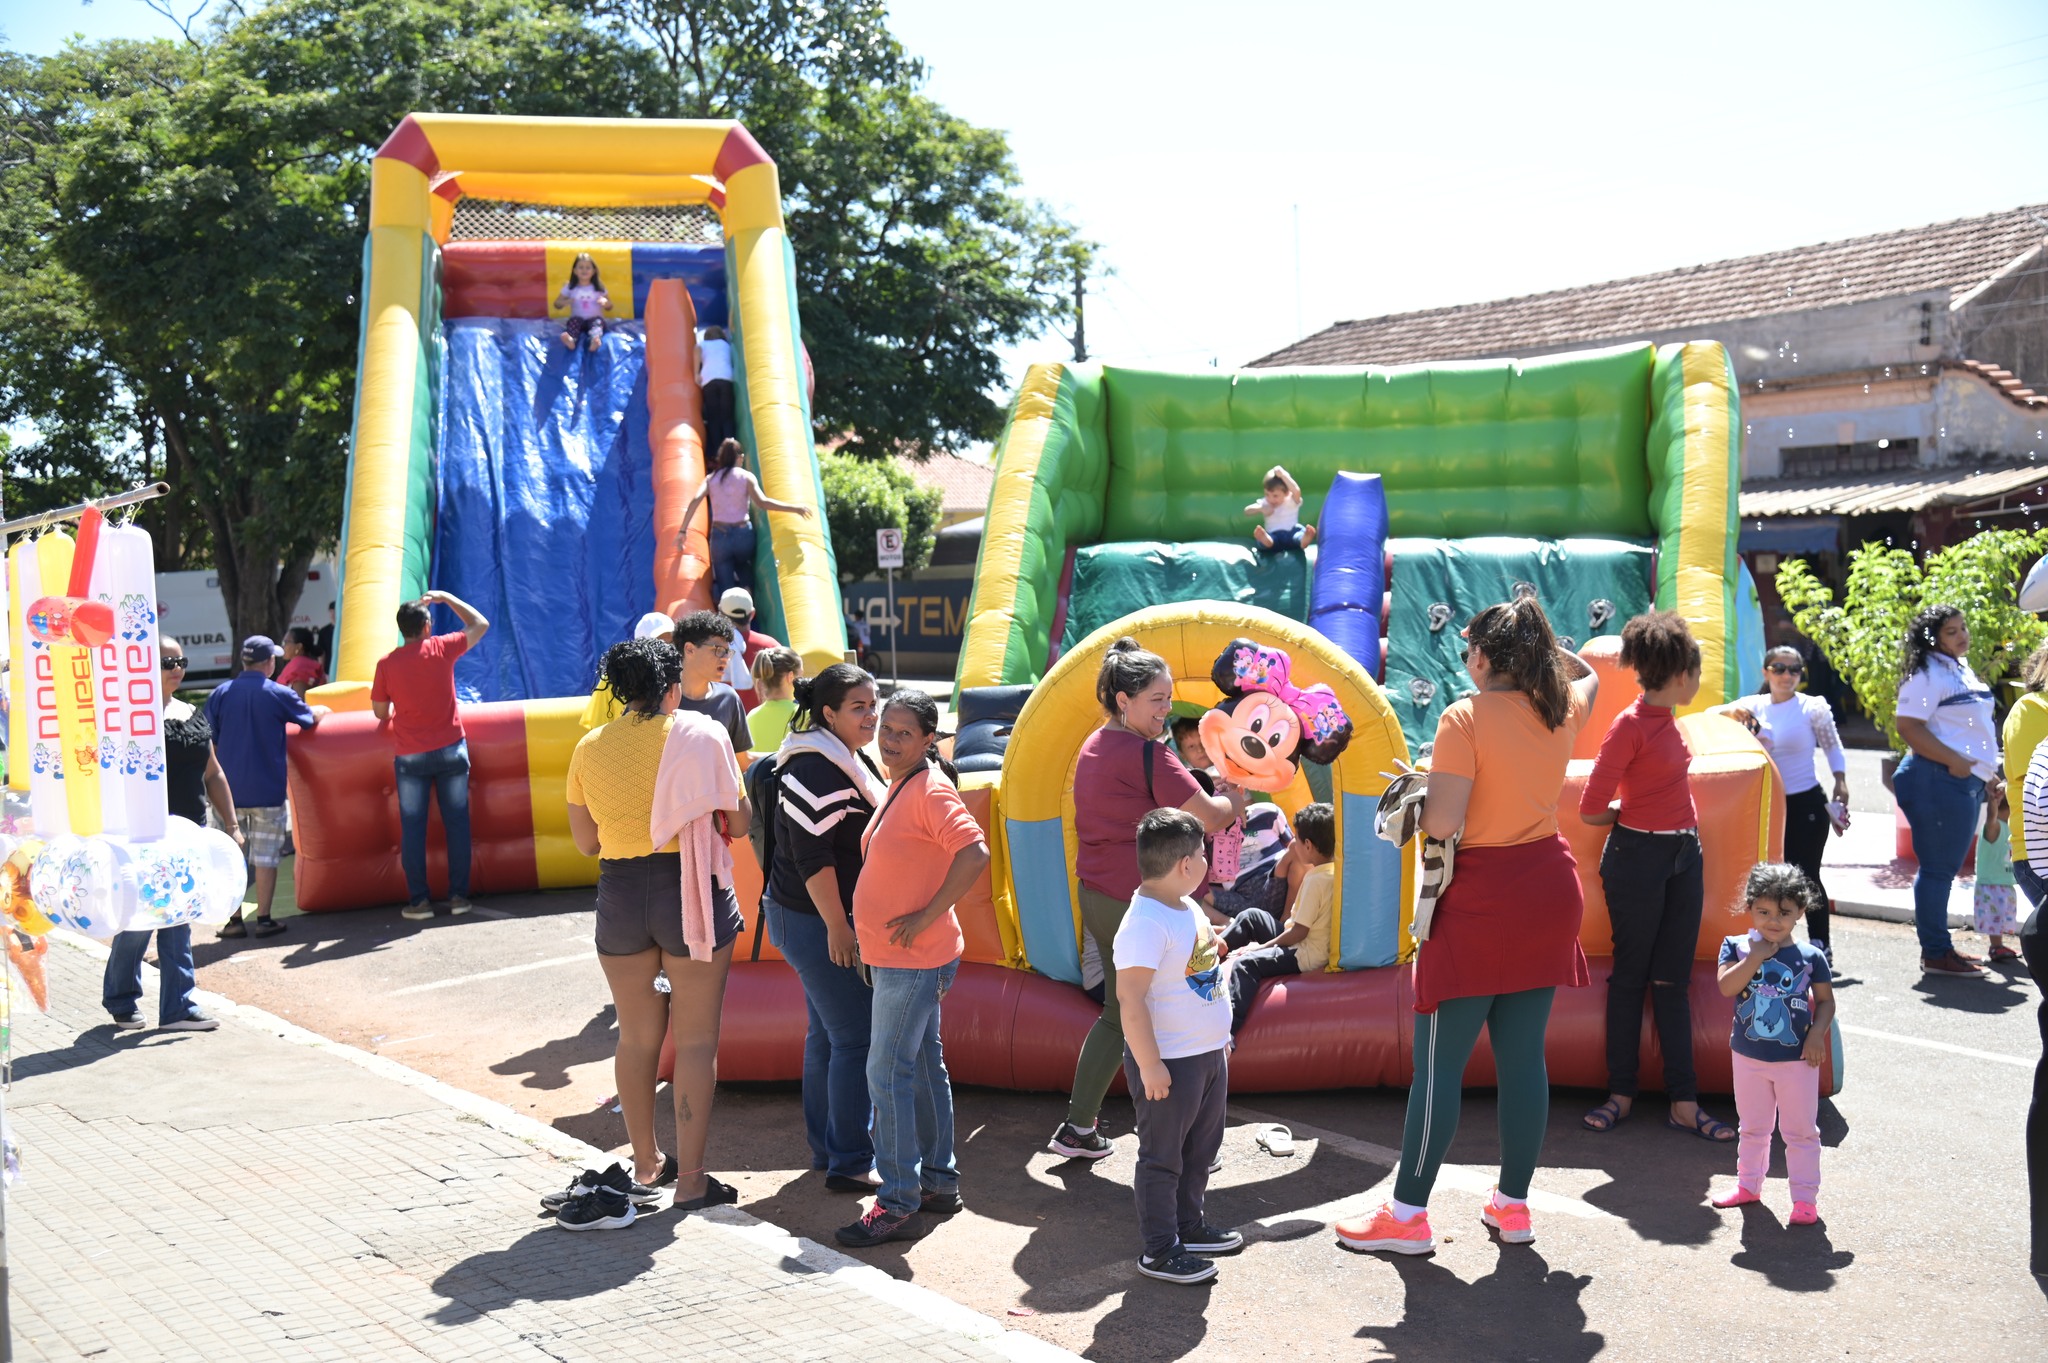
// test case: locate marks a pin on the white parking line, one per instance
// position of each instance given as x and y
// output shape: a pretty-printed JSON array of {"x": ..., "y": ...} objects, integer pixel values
[
  {"x": 491, "y": 974},
  {"x": 1996, "y": 1057},
  {"x": 1459, "y": 1176}
]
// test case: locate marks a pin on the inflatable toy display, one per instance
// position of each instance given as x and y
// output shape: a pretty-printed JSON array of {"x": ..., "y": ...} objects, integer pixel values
[
  {"x": 105, "y": 856},
  {"x": 545, "y": 486}
]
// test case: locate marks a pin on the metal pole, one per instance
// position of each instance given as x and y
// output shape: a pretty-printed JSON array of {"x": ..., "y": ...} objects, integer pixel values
[
  {"x": 895, "y": 678},
  {"x": 149, "y": 492}
]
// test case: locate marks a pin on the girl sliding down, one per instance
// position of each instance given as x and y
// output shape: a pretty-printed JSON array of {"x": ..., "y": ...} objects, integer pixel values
[{"x": 587, "y": 302}]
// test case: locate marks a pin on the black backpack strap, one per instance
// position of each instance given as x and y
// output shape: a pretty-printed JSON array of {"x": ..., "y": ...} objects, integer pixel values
[
  {"x": 760, "y": 918},
  {"x": 1150, "y": 794}
]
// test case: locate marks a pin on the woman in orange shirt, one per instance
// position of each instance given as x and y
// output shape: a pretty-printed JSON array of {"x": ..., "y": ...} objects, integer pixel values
[{"x": 910, "y": 941}]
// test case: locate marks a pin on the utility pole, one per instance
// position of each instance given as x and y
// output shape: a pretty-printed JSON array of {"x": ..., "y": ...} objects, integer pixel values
[{"x": 1080, "y": 310}]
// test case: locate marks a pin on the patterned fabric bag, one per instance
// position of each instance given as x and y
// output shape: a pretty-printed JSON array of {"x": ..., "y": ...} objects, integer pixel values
[{"x": 1399, "y": 820}]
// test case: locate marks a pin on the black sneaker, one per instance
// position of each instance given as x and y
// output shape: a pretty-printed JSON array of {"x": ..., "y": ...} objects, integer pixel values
[
  {"x": 131, "y": 1022},
  {"x": 940, "y": 1204},
  {"x": 579, "y": 1186},
  {"x": 1177, "y": 1266},
  {"x": 604, "y": 1208},
  {"x": 1208, "y": 1239},
  {"x": 589, "y": 1181},
  {"x": 234, "y": 927},
  {"x": 191, "y": 1022},
  {"x": 265, "y": 927},
  {"x": 1074, "y": 1143},
  {"x": 878, "y": 1225}
]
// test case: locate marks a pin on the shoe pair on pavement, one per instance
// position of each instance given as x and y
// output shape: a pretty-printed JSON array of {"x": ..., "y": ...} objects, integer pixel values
[
  {"x": 878, "y": 1225},
  {"x": 1953, "y": 963},
  {"x": 1184, "y": 1262},
  {"x": 260, "y": 927},
  {"x": 422, "y": 910},
  {"x": 193, "y": 1022},
  {"x": 1385, "y": 1233},
  {"x": 1803, "y": 1213}
]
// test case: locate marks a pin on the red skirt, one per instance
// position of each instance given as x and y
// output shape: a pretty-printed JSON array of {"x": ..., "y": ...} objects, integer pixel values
[{"x": 1509, "y": 921}]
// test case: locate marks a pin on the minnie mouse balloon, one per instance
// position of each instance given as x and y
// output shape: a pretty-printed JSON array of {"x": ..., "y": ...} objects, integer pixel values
[{"x": 1258, "y": 736}]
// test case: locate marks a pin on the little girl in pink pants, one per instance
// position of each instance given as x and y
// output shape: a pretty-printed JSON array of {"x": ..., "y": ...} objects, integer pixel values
[{"x": 1784, "y": 1008}]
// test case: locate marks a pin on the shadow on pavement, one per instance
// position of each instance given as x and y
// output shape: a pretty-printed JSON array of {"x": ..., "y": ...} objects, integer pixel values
[
  {"x": 1523, "y": 1309},
  {"x": 1992, "y": 994},
  {"x": 1155, "y": 1320},
  {"x": 548, "y": 1064},
  {"x": 1795, "y": 1258},
  {"x": 547, "y": 1264}
]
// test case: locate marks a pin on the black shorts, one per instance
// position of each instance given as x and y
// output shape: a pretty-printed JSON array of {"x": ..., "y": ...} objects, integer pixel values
[{"x": 640, "y": 905}]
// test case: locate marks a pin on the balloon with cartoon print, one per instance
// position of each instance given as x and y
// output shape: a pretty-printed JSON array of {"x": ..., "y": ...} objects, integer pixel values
[{"x": 1266, "y": 725}]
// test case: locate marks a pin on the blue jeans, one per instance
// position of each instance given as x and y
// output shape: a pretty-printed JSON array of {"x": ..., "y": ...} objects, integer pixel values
[
  {"x": 732, "y": 558},
  {"x": 445, "y": 773},
  {"x": 2030, "y": 883},
  {"x": 841, "y": 1009},
  {"x": 1942, "y": 812},
  {"x": 907, "y": 1080},
  {"x": 121, "y": 988}
]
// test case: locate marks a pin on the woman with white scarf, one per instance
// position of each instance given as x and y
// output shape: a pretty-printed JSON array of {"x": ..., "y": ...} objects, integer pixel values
[{"x": 828, "y": 792}]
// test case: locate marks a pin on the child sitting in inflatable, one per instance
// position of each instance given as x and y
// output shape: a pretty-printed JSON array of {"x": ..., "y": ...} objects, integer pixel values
[
  {"x": 587, "y": 303},
  {"x": 1302, "y": 946},
  {"x": 1281, "y": 508}
]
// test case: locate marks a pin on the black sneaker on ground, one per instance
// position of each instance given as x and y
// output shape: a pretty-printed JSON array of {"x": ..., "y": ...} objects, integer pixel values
[
  {"x": 234, "y": 927},
  {"x": 130, "y": 1023},
  {"x": 191, "y": 1022},
  {"x": 1074, "y": 1143},
  {"x": 1177, "y": 1266},
  {"x": 940, "y": 1204},
  {"x": 1208, "y": 1239},
  {"x": 266, "y": 927},
  {"x": 878, "y": 1225},
  {"x": 602, "y": 1208},
  {"x": 582, "y": 1184},
  {"x": 589, "y": 1181}
]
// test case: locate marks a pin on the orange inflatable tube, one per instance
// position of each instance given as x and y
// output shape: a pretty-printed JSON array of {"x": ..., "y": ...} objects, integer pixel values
[{"x": 675, "y": 413}]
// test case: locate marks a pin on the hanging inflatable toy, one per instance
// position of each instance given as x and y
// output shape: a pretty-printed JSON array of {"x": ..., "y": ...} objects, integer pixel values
[{"x": 1265, "y": 726}]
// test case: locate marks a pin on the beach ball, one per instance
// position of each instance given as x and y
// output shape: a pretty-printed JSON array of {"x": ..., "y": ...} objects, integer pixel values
[
  {"x": 78, "y": 883},
  {"x": 190, "y": 875}
]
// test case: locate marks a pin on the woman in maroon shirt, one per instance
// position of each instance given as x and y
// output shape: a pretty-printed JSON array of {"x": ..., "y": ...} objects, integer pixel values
[
  {"x": 1652, "y": 872},
  {"x": 1123, "y": 774}
]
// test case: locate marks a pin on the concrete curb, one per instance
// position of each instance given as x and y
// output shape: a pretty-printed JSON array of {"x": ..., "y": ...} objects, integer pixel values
[
  {"x": 922, "y": 1302},
  {"x": 1894, "y": 913}
]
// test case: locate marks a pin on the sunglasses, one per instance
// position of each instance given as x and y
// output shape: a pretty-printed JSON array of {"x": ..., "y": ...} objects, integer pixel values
[
  {"x": 172, "y": 662},
  {"x": 1786, "y": 669}
]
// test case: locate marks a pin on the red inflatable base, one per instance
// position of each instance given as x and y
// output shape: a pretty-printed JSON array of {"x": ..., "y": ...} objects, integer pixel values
[{"x": 1016, "y": 1030}]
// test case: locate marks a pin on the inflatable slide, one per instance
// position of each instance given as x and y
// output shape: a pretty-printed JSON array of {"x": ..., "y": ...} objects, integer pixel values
[{"x": 546, "y": 485}]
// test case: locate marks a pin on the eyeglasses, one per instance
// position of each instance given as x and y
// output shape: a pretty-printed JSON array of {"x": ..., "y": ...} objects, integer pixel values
[
  {"x": 1785, "y": 669},
  {"x": 172, "y": 662},
  {"x": 719, "y": 650}
]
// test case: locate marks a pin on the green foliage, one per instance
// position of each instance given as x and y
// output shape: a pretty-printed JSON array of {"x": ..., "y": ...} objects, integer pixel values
[
  {"x": 917, "y": 260},
  {"x": 1863, "y": 637},
  {"x": 866, "y": 495}
]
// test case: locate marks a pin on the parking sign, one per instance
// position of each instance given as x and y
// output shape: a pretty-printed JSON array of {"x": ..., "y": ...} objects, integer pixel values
[{"x": 889, "y": 548}]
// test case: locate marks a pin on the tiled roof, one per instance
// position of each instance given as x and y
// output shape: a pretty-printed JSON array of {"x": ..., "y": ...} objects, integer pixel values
[
  {"x": 963, "y": 483},
  {"x": 1864, "y": 494},
  {"x": 1956, "y": 256}
]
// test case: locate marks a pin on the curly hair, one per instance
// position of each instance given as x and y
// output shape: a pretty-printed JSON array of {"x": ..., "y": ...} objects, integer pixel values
[
  {"x": 701, "y": 627},
  {"x": 1659, "y": 647},
  {"x": 639, "y": 672},
  {"x": 1784, "y": 883},
  {"x": 1127, "y": 669},
  {"x": 1923, "y": 638},
  {"x": 1517, "y": 642}
]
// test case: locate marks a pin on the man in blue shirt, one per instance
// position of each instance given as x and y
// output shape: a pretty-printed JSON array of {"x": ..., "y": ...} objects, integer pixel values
[{"x": 248, "y": 716}]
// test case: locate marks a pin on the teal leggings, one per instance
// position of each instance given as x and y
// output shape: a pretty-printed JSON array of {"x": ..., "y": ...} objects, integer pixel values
[{"x": 1443, "y": 1043}]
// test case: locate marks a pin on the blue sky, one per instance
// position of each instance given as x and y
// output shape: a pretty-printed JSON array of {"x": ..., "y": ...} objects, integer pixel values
[{"x": 1443, "y": 154}]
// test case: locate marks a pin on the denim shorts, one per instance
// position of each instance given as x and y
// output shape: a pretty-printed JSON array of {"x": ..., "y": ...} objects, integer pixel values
[{"x": 640, "y": 905}]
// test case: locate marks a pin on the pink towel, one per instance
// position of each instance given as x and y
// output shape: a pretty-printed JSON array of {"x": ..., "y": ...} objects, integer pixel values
[{"x": 698, "y": 774}]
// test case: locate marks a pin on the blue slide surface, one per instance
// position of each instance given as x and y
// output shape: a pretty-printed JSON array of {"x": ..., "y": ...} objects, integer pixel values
[
  {"x": 1351, "y": 568},
  {"x": 545, "y": 520}
]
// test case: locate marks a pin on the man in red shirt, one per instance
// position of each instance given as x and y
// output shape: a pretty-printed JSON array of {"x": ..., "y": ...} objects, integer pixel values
[
  {"x": 417, "y": 679},
  {"x": 737, "y": 605}
]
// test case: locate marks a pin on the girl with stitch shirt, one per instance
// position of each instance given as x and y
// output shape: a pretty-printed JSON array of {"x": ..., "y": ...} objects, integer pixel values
[
  {"x": 1653, "y": 872},
  {"x": 587, "y": 302},
  {"x": 1945, "y": 716},
  {"x": 1785, "y": 1003}
]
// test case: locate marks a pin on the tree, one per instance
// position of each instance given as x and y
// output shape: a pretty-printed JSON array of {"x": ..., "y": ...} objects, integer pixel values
[
  {"x": 917, "y": 260},
  {"x": 1864, "y": 636},
  {"x": 183, "y": 222},
  {"x": 866, "y": 495}
]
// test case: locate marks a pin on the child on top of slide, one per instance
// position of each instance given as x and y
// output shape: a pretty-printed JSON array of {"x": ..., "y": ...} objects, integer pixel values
[
  {"x": 1281, "y": 508},
  {"x": 587, "y": 301}
]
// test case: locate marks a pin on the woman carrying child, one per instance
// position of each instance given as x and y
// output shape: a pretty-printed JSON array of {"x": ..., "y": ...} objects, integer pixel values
[
  {"x": 1653, "y": 873},
  {"x": 1784, "y": 1004},
  {"x": 910, "y": 940},
  {"x": 1506, "y": 930}
]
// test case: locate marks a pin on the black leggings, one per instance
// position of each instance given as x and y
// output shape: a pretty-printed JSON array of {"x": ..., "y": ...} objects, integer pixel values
[
  {"x": 1806, "y": 842},
  {"x": 1655, "y": 892}
]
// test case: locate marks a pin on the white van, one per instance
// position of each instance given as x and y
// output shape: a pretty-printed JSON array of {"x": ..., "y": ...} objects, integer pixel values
[{"x": 190, "y": 609}]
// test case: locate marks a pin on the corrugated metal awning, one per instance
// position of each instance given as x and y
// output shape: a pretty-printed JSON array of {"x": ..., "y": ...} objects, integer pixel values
[{"x": 1874, "y": 493}]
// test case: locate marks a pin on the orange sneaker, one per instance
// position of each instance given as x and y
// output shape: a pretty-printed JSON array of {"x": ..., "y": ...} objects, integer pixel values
[
  {"x": 1510, "y": 1222},
  {"x": 1384, "y": 1231}
]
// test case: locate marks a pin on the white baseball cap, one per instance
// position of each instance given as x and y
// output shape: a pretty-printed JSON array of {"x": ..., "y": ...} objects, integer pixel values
[
  {"x": 736, "y": 601},
  {"x": 651, "y": 624}
]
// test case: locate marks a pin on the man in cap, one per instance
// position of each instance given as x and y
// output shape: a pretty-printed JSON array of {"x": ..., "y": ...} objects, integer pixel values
[
  {"x": 249, "y": 715},
  {"x": 737, "y": 605},
  {"x": 414, "y": 691},
  {"x": 604, "y": 707}
]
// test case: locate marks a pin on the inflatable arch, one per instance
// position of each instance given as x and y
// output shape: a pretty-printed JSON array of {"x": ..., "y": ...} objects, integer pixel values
[{"x": 1374, "y": 880}]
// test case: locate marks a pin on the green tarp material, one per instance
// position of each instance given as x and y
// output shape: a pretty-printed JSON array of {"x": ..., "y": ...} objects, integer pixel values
[
  {"x": 1115, "y": 580},
  {"x": 1589, "y": 587}
]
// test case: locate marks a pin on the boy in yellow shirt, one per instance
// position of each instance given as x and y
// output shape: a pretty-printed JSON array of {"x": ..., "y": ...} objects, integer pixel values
[{"x": 1303, "y": 946}]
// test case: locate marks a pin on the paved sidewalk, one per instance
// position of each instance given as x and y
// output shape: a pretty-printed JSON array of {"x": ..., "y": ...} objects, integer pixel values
[{"x": 259, "y": 1193}]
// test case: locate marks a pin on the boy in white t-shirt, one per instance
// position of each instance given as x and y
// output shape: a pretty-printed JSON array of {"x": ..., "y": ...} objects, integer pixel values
[{"x": 1170, "y": 982}]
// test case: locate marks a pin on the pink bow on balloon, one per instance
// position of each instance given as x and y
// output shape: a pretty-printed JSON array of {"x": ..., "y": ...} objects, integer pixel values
[{"x": 1265, "y": 669}]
